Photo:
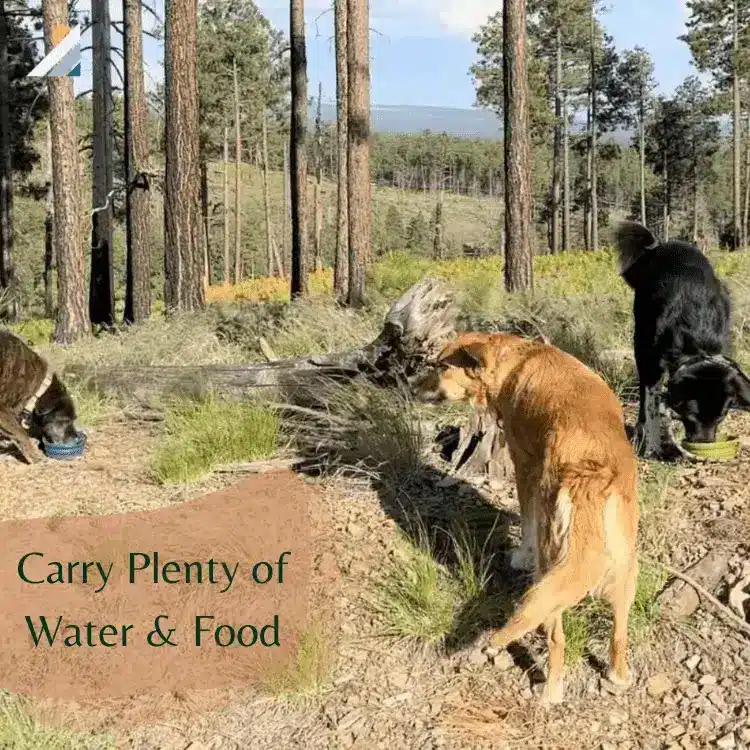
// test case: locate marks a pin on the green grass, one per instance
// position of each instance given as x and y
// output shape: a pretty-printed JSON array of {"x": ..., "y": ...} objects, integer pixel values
[
  {"x": 307, "y": 675},
  {"x": 422, "y": 600},
  {"x": 18, "y": 731},
  {"x": 591, "y": 621},
  {"x": 207, "y": 434}
]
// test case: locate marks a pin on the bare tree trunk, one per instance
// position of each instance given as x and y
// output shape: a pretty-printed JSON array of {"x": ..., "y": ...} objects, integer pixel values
[
  {"x": 317, "y": 196},
  {"x": 737, "y": 130},
  {"x": 341, "y": 266},
  {"x": 518, "y": 226},
  {"x": 695, "y": 183},
  {"x": 566, "y": 175},
  {"x": 642, "y": 158},
  {"x": 49, "y": 229},
  {"x": 298, "y": 153},
  {"x": 137, "y": 197},
  {"x": 205, "y": 221},
  {"x": 237, "y": 180},
  {"x": 358, "y": 157},
  {"x": 587, "y": 201},
  {"x": 286, "y": 253},
  {"x": 557, "y": 146},
  {"x": 437, "y": 243},
  {"x": 267, "y": 201},
  {"x": 666, "y": 198},
  {"x": 72, "y": 312},
  {"x": 594, "y": 125},
  {"x": 9, "y": 306},
  {"x": 746, "y": 211},
  {"x": 101, "y": 280},
  {"x": 183, "y": 256},
  {"x": 227, "y": 267}
]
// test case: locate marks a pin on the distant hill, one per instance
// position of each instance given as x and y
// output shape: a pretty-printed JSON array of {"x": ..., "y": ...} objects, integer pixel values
[{"x": 462, "y": 123}]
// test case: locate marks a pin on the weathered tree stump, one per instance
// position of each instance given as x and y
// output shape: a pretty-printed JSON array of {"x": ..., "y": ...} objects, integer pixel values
[{"x": 416, "y": 328}]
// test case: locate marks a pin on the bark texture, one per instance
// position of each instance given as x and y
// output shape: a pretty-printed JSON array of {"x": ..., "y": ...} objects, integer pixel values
[
  {"x": 518, "y": 227},
  {"x": 183, "y": 251},
  {"x": 341, "y": 264}
]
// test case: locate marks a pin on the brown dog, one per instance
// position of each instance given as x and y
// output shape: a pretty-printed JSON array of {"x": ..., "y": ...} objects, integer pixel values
[
  {"x": 576, "y": 476},
  {"x": 34, "y": 403}
]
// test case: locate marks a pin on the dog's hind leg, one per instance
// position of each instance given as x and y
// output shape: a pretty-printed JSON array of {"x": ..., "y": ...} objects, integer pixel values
[
  {"x": 621, "y": 597},
  {"x": 555, "y": 686}
]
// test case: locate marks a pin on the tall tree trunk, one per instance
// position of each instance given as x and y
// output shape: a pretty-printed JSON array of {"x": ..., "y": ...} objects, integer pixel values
[
  {"x": 518, "y": 226},
  {"x": 557, "y": 145},
  {"x": 286, "y": 205},
  {"x": 101, "y": 280},
  {"x": 737, "y": 129},
  {"x": 237, "y": 179},
  {"x": 746, "y": 210},
  {"x": 298, "y": 150},
  {"x": 183, "y": 256},
  {"x": 437, "y": 242},
  {"x": 49, "y": 230},
  {"x": 566, "y": 175},
  {"x": 72, "y": 312},
  {"x": 317, "y": 199},
  {"x": 267, "y": 200},
  {"x": 695, "y": 182},
  {"x": 137, "y": 196},
  {"x": 227, "y": 266},
  {"x": 358, "y": 158},
  {"x": 594, "y": 125},
  {"x": 642, "y": 158},
  {"x": 9, "y": 306},
  {"x": 205, "y": 222},
  {"x": 341, "y": 264},
  {"x": 665, "y": 188},
  {"x": 587, "y": 200}
]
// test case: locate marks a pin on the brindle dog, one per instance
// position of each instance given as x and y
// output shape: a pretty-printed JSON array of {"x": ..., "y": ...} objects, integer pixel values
[{"x": 34, "y": 403}]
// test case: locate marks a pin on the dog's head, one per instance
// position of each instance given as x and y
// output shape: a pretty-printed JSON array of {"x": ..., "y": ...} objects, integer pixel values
[
  {"x": 54, "y": 415},
  {"x": 702, "y": 390},
  {"x": 457, "y": 374}
]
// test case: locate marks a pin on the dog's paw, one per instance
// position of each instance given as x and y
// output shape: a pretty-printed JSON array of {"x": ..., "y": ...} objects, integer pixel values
[
  {"x": 620, "y": 681},
  {"x": 552, "y": 693}
]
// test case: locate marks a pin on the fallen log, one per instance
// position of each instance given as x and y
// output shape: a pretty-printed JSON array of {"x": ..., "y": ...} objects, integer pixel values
[{"x": 415, "y": 329}]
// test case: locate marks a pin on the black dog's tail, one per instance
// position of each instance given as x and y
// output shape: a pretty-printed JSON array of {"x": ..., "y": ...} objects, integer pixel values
[{"x": 632, "y": 240}]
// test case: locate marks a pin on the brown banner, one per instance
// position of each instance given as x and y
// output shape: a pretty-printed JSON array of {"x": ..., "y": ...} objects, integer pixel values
[{"x": 226, "y": 578}]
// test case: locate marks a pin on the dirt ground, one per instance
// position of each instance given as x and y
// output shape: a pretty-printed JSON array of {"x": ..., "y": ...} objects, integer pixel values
[{"x": 691, "y": 677}]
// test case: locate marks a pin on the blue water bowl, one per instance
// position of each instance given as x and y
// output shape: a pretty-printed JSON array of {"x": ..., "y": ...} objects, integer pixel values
[{"x": 65, "y": 451}]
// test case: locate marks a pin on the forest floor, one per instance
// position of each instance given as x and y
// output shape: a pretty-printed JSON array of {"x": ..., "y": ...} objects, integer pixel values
[{"x": 381, "y": 674}]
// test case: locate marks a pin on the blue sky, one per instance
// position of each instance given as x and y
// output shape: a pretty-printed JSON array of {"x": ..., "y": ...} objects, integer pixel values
[{"x": 422, "y": 49}]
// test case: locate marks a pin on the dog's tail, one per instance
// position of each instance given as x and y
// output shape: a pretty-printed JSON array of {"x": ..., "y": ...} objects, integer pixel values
[
  {"x": 577, "y": 537},
  {"x": 632, "y": 240}
]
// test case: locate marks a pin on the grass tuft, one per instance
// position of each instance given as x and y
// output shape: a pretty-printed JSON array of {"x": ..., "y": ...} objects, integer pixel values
[
  {"x": 204, "y": 435},
  {"x": 307, "y": 675},
  {"x": 429, "y": 602},
  {"x": 19, "y": 731}
]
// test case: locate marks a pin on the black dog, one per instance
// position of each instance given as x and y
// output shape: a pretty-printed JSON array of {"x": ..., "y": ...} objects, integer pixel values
[
  {"x": 682, "y": 313},
  {"x": 34, "y": 403}
]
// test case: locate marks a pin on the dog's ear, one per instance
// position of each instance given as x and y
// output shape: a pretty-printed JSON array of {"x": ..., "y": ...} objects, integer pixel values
[
  {"x": 468, "y": 357},
  {"x": 741, "y": 386}
]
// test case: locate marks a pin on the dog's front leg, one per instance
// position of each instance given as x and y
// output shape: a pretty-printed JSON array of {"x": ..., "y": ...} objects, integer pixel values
[
  {"x": 648, "y": 433},
  {"x": 9, "y": 426}
]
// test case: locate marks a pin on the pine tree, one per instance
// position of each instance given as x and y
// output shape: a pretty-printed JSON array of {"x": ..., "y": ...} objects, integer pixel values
[
  {"x": 635, "y": 87},
  {"x": 719, "y": 39}
]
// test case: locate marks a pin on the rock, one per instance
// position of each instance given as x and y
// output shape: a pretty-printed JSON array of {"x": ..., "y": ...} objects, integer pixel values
[
  {"x": 658, "y": 685},
  {"x": 196, "y": 746},
  {"x": 687, "y": 744},
  {"x": 503, "y": 661},
  {"x": 726, "y": 742},
  {"x": 477, "y": 658},
  {"x": 676, "y": 731},
  {"x": 693, "y": 662},
  {"x": 616, "y": 718},
  {"x": 681, "y": 600},
  {"x": 354, "y": 530},
  {"x": 707, "y": 679}
]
